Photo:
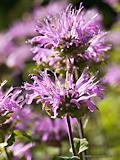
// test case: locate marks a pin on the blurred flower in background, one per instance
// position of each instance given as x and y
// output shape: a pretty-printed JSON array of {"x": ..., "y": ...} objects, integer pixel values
[
  {"x": 13, "y": 46},
  {"x": 113, "y": 74}
]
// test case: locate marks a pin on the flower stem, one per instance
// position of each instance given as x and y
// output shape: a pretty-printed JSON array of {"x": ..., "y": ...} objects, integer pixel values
[
  {"x": 7, "y": 154},
  {"x": 70, "y": 135},
  {"x": 83, "y": 154}
]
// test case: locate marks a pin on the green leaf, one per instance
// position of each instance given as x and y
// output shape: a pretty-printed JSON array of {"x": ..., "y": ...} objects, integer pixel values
[
  {"x": 83, "y": 145},
  {"x": 11, "y": 139},
  {"x": 20, "y": 134},
  {"x": 80, "y": 145}
]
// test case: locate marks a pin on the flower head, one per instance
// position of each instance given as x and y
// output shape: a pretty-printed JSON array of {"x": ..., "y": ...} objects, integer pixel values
[
  {"x": 59, "y": 97},
  {"x": 71, "y": 33},
  {"x": 11, "y": 101}
]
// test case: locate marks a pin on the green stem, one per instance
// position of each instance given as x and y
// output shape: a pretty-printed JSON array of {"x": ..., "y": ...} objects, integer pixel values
[
  {"x": 70, "y": 135},
  {"x": 83, "y": 154}
]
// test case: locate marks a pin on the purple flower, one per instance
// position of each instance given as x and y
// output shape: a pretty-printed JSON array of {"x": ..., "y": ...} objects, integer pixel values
[
  {"x": 97, "y": 49},
  {"x": 20, "y": 150},
  {"x": 113, "y": 74},
  {"x": 91, "y": 13},
  {"x": 55, "y": 130},
  {"x": 21, "y": 29},
  {"x": 41, "y": 127},
  {"x": 52, "y": 8},
  {"x": 25, "y": 117},
  {"x": 72, "y": 33},
  {"x": 56, "y": 95},
  {"x": 6, "y": 46},
  {"x": 114, "y": 37},
  {"x": 12, "y": 40},
  {"x": 19, "y": 52},
  {"x": 11, "y": 101},
  {"x": 46, "y": 55}
]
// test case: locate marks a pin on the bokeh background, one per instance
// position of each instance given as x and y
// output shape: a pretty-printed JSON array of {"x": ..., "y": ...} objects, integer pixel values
[{"x": 17, "y": 21}]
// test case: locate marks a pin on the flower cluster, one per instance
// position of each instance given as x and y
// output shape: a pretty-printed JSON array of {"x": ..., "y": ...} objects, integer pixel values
[
  {"x": 72, "y": 40},
  {"x": 56, "y": 95},
  {"x": 71, "y": 33}
]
